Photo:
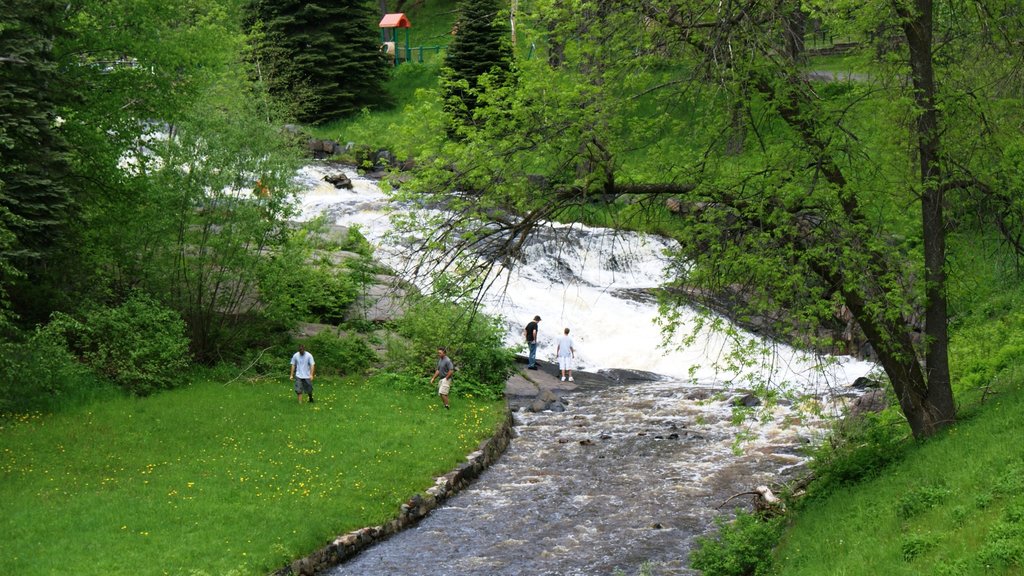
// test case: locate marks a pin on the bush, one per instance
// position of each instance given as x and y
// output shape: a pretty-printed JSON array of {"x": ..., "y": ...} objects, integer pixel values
[
  {"x": 473, "y": 340},
  {"x": 38, "y": 373},
  {"x": 340, "y": 356},
  {"x": 139, "y": 345},
  {"x": 742, "y": 547},
  {"x": 862, "y": 449},
  {"x": 302, "y": 282}
]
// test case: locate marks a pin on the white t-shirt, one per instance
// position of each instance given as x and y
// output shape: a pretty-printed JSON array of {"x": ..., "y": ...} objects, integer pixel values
[
  {"x": 565, "y": 346},
  {"x": 303, "y": 364}
]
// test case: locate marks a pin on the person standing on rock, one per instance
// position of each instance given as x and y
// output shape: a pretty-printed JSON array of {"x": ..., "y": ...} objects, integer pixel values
[
  {"x": 531, "y": 341},
  {"x": 565, "y": 353},
  {"x": 303, "y": 372},
  {"x": 445, "y": 369}
]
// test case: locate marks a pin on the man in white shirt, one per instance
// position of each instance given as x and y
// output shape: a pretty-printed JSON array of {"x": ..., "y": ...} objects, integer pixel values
[
  {"x": 303, "y": 372},
  {"x": 565, "y": 353}
]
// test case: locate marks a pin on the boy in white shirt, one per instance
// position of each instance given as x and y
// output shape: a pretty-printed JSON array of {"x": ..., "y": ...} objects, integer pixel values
[{"x": 565, "y": 353}]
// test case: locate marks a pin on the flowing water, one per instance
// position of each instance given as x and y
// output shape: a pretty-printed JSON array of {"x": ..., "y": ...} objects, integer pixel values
[{"x": 635, "y": 468}]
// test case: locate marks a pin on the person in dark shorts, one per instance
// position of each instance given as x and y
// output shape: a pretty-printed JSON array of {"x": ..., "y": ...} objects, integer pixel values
[{"x": 303, "y": 372}]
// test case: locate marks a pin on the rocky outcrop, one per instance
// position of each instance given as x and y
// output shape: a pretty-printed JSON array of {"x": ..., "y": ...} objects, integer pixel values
[
  {"x": 339, "y": 180},
  {"x": 381, "y": 300}
]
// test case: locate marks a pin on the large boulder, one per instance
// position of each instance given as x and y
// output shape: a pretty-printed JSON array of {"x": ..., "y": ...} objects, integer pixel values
[
  {"x": 874, "y": 400},
  {"x": 381, "y": 300},
  {"x": 339, "y": 180}
]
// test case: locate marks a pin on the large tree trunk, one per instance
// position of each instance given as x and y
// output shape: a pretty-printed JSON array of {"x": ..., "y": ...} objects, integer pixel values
[
  {"x": 895, "y": 349},
  {"x": 918, "y": 29}
]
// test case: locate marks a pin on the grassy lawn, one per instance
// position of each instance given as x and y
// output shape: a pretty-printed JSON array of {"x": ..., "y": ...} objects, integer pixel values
[
  {"x": 219, "y": 478},
  {"x": 955, "y": 506}
]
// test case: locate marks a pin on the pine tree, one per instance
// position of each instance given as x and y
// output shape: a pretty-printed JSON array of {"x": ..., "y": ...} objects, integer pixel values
[
  {"x": 323, "y": 56},
  {"x": 35, "y": 200},
  {"x": 481, "y": 46}
]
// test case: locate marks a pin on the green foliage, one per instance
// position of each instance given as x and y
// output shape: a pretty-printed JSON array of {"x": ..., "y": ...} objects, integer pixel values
[
  {"x": 139, "y": 344},
  {"x": 347, "y": 355},
  {"x": 1004, "y": 544},
  {"x": 323, "y": 55},
  {"x": 400, "y": 381},
  {"x": 355, "y": 241},
  {"x": 188, "y": 169},
  {"x": 409, "y": 129},
  {"x": 36, "y": 190},
  {"x": 38, "y": 373},
  {"x": 919, "y": 500},
  {"x": 862, "y": 449},
  {"x": 914, "y": 545},
  {"x": 951, "y": 505},
  {"x": 304, "y": 280},
  {"x": 473, "y": 342},
  {"x": 479, "y": 59},
  {"x": 741, "y": 547}
]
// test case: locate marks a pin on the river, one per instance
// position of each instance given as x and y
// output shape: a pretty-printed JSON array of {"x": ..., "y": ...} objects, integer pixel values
[{"x": 635, "y": 469}]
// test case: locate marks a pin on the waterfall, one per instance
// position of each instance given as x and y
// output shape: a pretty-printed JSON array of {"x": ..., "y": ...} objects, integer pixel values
[
  {"x": 593, "y": 281},
  {"x": 628, "y": 475}
]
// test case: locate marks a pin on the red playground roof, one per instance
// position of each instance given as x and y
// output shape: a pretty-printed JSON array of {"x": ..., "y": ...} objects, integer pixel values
[{"x": 397, "y": 20}]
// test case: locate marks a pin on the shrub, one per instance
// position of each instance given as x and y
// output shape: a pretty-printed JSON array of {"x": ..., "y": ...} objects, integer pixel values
[
  {"x": 742, "y": 547},
  {"x": 919, "y": 500},
  {"x": 339, "y": 356},
  {"x": 394, "y": 381},
  {"x": 38, "y": 373},
  {"x": 1004, "y": 545},
  {"x": 473, "y": 340},
  {"x": 860, "y": 450},
  {"x": 915, "y": 545},
  {"x": 301, "y": 281},
  {"x": 139, "y": 345}
]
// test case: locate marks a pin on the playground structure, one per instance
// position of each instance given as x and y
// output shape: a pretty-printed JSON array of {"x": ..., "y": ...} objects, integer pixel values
[{"x": 401, "y": 53}]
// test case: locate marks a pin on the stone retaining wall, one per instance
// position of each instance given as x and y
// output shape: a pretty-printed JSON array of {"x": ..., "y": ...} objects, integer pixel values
[{"x": 347, "y": 545}]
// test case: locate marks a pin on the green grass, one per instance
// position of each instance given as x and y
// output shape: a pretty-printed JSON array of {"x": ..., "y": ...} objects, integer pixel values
[
  {"x": 219, "y": 478},
  {"x": 954, "y": 506},
  {"x": 431, "y": 26},
  {"x": 859, "y": 61},
  {"x": 414, "y": 89}
]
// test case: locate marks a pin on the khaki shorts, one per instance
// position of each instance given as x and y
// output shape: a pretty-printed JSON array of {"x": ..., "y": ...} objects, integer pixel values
[{"x": 444, "y": 386}]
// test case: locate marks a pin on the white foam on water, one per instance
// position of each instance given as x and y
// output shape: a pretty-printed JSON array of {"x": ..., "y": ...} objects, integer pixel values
[{"x": 576, "y": 280}]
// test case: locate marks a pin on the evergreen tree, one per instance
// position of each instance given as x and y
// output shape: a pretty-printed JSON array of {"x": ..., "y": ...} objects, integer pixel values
[
  {"x": 35, "y": 201},
  {"x": 323, "y": 57},
  {"x": 481, "y": 48}
]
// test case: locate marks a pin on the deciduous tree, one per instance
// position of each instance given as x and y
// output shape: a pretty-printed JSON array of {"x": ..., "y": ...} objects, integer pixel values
[{"x": 808, "y": 213}]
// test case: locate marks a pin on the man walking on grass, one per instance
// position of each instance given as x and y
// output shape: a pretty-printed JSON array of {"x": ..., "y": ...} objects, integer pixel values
[
  {"x": 303, "y": 372},
  {"x": 445, "y": 369}
]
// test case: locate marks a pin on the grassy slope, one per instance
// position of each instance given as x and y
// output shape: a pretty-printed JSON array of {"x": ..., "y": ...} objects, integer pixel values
[
  {"x": 219, "y": 478},
  {"x": 955, "y": 504},
  {"x": 431, "y": 26}
]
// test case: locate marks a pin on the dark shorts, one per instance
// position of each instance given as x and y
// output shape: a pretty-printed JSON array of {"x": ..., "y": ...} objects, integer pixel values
[{"x": 303, "y": 386}]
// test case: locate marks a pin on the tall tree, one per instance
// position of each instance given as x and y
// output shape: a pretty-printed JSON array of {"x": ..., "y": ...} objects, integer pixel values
[
  {"x": 806, "y": 213},
  {"x": 324, "y": 56},
  {"x": 36, "y": 204},
  {"x": 479, "y": 58},
  {"x": 188, "y": 176}
]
